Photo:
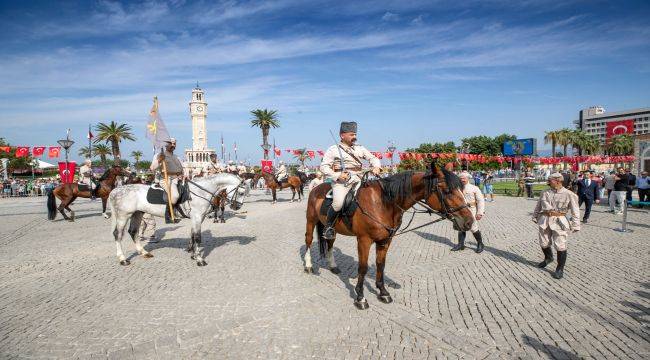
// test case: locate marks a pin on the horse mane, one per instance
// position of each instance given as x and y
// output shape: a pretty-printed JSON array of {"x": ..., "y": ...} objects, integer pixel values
[
  {"x": 396, "y": 187},
  {"x": 105, "y": 174},
  {"x": 452, "y": 180}
]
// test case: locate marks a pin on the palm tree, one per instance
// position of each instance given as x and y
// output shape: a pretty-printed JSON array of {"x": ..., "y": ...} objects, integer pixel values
[
  {"x": 114, "y": 133},
  {"x": 564, "y": 140},
  {"x": 102, "y": 150},
  {"x": 137, "y": 155},
  {"x": 621, "y": 145},
  {"x": 85, "y": 152},
  {"x": 302, "y": 156},
  {"x": 591, "y": 144},
  {"x": 265, "y": 120},
  {"x": 552, "y": 137}
]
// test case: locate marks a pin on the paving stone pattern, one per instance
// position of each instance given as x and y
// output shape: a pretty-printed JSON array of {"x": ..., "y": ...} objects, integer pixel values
[{"x": 64, "y": 295}]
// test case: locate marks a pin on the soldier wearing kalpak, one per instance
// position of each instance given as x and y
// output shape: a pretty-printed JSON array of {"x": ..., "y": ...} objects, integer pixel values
[
  {"x": 86, "y": 177},
  {"x": 342, "y": 164},
  {"x": 280, "y": 172},
  {"x": 241, "y": 169},
  {"x": 232, "y": 168},
  {"x": 212, "y": 167},
  {"x": 474, "y": 198},
  {"x": 174, "y": 170},
  {"x": 554, "y": 227}
]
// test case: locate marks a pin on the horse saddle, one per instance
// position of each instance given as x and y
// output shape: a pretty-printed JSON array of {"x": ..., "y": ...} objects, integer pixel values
[
  {"x": 350, "y": 205},
  {"x": 83, "y": 187},
  {"x": 158, "y": 196}
]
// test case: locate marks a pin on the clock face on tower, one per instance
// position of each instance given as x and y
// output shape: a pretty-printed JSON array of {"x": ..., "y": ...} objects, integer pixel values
[{"x": 199, "y": 108}]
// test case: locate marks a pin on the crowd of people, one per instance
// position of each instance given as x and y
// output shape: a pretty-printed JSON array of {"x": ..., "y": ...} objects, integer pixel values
[{"x": 13, "y": 187}]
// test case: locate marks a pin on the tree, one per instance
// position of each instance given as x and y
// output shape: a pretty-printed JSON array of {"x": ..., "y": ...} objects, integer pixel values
[
  {"x": 137, "y": 155},
  {"x": 584, "y": 142},
  {"x": 622, "y": 144},
  {"x": 143, "y": 165},
  {"x": 426, "y": 148},
  {"x": 552, "y": 137},
  {"x": 14, "y": 162},
  {"x": 114, "y": 133},
  {"x": 564, "y": 140},
  {"x": 302, "y": 156},
  {"x": 84, "y": 152},
  {"x": 102, "y": 150},
  {"x": 265, "y": 120},
  {"x": 486, "y": 145}
]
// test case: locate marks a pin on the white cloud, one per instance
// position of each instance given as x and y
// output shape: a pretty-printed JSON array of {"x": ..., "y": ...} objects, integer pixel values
[{"x": 389, "y": 16}]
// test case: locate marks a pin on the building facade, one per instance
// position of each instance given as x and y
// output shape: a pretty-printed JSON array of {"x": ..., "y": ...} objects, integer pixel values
[
  {"x": 199, "y": 154},
  {"x": 594, "y": 121},
  {"x": 642, "y": 153}
]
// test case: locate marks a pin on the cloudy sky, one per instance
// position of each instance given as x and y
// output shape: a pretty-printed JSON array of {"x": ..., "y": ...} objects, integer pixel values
[{"x": 407, "y": 71}]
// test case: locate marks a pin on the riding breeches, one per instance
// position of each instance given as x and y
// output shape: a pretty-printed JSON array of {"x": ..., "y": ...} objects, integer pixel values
[
  {"x": 174, "y": 189},
  {"x": 339, "y": 191},
  {"x": 557, "y": 238}
]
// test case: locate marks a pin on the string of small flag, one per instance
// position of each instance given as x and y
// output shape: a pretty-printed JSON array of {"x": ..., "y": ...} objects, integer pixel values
[{"x": 35, "y": 151}]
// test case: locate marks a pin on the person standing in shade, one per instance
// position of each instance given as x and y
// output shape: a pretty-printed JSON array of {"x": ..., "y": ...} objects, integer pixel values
[
  {"x": 617, "y": 197},
  {"x": 529, "y": 181},
  {"x": 521, "y": 182},
  {"x": 588, "y": 192},
  {"x": 474, "y": 198},
  {"x": 631, "y": 183},
  {"x": 643, "y": 187},
  {"x": 609, "y": 181},
  {"x": 550, "y": 216}
]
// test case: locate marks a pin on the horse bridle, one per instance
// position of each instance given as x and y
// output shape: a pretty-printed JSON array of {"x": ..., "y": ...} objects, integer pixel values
[{"x": 217, "y": 193}]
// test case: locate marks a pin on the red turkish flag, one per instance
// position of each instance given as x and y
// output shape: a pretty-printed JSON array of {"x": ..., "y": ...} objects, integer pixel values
[
  {"x": 66, "y": 171},
  {"x": 389, "y": 155},
  {"x": 38, "y": 150},
  {"x": 321, "y": 153},
  {"x": 22, "y": 151},
  {"x": 5, "y": 149},
  {"x": 619, "y": 127},
  {"x": 54, "y": 151},
  {"x": 267, "y": 166},
  {"x": 277, "y": 151},
  {"x": 311, "y": 154}
]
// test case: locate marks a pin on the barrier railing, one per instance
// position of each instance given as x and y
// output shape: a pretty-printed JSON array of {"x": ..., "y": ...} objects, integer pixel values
[{"x": 627, "y": 204}]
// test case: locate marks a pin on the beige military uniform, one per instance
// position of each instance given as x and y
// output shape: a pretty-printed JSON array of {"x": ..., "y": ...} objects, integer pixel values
[
  {"x": 474, "y": 198},
  {"x": 331, "y": 168},
  {"x": 281, "y": 172},
  {"x": 212, "y": 168},
  {"x": 174, "y": 169},
  {"x": 85, "y": 175},
  {"x": 241, "y": 169},
  {"x": 550, "y": 215},
  {"x": 315, "y": 182},
  {"x": 232, "y": 168}
]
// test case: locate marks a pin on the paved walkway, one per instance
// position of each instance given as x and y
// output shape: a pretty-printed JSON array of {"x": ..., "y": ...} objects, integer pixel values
[{"x": 63, "y": 294}]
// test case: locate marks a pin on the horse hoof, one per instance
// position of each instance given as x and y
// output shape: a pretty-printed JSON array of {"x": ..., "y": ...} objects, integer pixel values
[
  {"x": 361, "y": 305},
  {"x": 335, "y": 270},
  {"x": 148, "y": 255},
  {"x": 70, "y": 220},
  {"x": 125, "y": 262},
  {"x": 309, "y": 270},
  {"x": 193, "y": 257},
  {"x": 106, "y": 216},
  {"x": 223, "y": 221},
  {"x": 386, "y": 299},
  {"x": 201, "y": 263}
]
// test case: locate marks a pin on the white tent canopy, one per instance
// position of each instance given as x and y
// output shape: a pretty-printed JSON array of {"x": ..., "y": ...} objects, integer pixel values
[{"x": 44, "y": 165}]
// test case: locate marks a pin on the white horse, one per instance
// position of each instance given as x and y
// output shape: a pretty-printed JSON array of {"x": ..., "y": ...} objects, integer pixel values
[{"x": 130, "y": 202}]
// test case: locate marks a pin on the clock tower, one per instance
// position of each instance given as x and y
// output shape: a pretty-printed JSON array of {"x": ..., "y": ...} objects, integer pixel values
[{"x": 199, "y": 154}]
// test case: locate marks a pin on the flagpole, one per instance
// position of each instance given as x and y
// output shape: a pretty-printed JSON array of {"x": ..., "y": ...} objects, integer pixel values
[
  {"x": 274, "y": 148},
  {"x": 90, "y": 151},
  {"x": 223, "y": 156},
  {"x": 236, "y": 152}
]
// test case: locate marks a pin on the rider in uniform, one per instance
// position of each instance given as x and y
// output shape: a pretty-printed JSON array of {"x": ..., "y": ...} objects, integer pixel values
[
  {"x": 241, "y": 169},
  {"x": 174, "y": 170},
  {"x": 343, "y": 181},
  {"x": 476, "y": 202},
  {"x": 86, "y": 177},
  {"x": 280, "y": 172},
  {"x": 554, "y": 227},
  {"x": 212, "y": 167}
]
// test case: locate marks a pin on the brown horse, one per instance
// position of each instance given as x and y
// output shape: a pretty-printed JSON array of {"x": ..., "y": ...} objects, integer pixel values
[
  {"x": 381, "y": 205},
  {"x": 67, "y": 193},
  {"x": 292, "y": 182}
]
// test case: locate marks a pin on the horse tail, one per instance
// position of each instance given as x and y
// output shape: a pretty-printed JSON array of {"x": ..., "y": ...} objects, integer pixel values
[
  {"x": 302, "y": 188},
  {"x": 322, "y": 243},
  {"x": 51, "y": 205}
]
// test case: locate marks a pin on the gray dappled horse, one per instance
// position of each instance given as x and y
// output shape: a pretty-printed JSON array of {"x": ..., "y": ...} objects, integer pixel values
[{"x": 130, "y": 202}]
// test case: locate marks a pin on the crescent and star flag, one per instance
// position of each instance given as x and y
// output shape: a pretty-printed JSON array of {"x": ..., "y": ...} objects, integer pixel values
[
  {"x": 54, "y": 151},
  {"x": 90, "y": 135},
  {"x": 38, "y": 150},
  {"x": 311, "y": 154},
  {"x": 619, "y": 127},
  {"x": 66, "y": 171},
  {"x": 156, "y": 129},
  {"x": 277, "y": 151},
  {"x": 267, "y": 166},
  {"x": 22, "y": 151},
  {"x": 5, "y": 149}
]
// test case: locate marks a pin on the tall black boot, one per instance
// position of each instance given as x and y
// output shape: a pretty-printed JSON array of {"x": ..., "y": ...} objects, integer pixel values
[
  {"x": 479, "y": 241},
  {"x": 168, "y": 217},
  {"x": 461, "y": 241},
  {"x": 548, "y": 257},
  {"x": 561, "y": 260},
  {"x": 330, "y": 232}
]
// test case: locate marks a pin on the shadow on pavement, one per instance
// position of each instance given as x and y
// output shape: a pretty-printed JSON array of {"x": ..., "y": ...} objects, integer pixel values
[{"x": 551, "y": 351}]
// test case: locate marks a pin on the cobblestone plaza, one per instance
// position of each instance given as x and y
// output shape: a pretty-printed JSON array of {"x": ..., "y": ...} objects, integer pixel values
[{"x": 63, "y": 294}]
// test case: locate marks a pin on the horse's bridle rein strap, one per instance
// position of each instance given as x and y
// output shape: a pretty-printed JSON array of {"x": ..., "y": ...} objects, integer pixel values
[{"x": 215, "y": 193}]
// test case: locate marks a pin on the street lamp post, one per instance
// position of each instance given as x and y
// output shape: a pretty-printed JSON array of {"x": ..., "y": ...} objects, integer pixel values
[
  {"x": 5, "y": 164},
  {"x": 66, "y": 144},
  {"x": 391, "y": 150}
]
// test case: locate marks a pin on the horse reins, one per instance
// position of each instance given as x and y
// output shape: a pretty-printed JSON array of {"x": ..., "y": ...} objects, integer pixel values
[{"x": 216, "y": 193}]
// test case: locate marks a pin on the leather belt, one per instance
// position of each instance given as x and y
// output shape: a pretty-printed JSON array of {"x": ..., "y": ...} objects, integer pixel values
[
  {"x": 554, "y": 213},
  {"x": 337, "y": 169}
]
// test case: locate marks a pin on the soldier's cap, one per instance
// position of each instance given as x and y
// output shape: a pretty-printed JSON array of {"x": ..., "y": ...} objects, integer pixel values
[
  {"x": 213, "y": 155},
  {"x": 556, "y": 176},
  {"x": 87, "y": 161},
  {"x": 348, "y": 126},
  {"x": 171, "y": 141},
  {"x": 465, "y": 174}
]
